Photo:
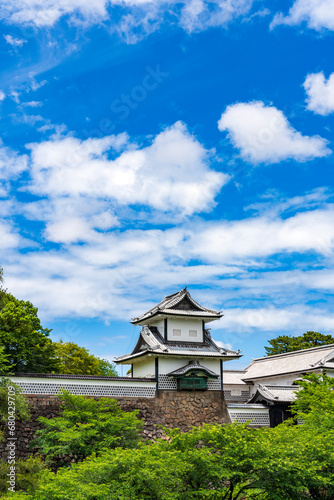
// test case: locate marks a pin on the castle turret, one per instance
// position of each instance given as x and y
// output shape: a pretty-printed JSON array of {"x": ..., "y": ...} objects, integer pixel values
[{"x": 176, "y": 348}]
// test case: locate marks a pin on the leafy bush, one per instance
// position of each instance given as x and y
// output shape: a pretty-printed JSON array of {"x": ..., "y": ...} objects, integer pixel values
[
  {"x": 86, "y": 426},
  {"x": 28, "y": 474},
  {"x": 22, "y": 410}
]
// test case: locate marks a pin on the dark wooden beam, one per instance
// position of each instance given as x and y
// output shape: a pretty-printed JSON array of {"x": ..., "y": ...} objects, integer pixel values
[
  {"x": 157, "y": 371},
  {"x": 221, "y": 375}
]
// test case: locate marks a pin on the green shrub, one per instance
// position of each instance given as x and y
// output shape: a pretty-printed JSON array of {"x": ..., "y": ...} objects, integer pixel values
[
  {"x": 86, "y": 426},
  {"x": 27, "y": 475}
]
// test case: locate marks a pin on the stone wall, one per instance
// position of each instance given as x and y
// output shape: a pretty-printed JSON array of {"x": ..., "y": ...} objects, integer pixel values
[{"x": 169, "y": 408}]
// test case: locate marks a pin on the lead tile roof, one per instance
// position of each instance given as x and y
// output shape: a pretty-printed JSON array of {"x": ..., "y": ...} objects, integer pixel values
[
  {"x": 169, "y": 304},
  {"x": 151, "y": 341},
  {"x": 233, "y": 377},
  {"x": 274, "y": 394},
  {"x": 291, "y": 362},
  {"x": 193, "y": 365}
]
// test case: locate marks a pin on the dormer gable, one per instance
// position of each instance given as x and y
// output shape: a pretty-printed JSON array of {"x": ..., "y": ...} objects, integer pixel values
[
  {"x": 178, "y": 305},
  {"x": 186, "y": 305}
]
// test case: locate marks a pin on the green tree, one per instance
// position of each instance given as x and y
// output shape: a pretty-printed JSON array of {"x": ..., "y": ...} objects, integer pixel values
[
  {"x": 4, "y": 363},
  {"x": 21, "y": 406},
  {"x": 86, "y": 426},
  {"x": 25, "y": 342},
  {"x": 314, "y": 404},
  {"x": 12, "y": 403},
  {"x": 287, "y": 343},
  {"x": 74, "y": 359},
  {"x": 27, "y": 475},
  {"x": 106, "y": 368},
  {"x": 2, "y": 290},
  {"x": 231, "y": 462}
]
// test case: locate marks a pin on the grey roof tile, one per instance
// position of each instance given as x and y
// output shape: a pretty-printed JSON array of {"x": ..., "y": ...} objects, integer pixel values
[
  {"x": 275, "y": 394},
  {"x": 168, "y": 306},
  {"x": 151, "y": 341},
  {"x": 291, "y": 362},
  {"x": 193, "y": 365}
]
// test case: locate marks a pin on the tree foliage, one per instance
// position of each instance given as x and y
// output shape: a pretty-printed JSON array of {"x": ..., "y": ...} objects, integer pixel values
[
  {"x": 86, "y": 426},
  {"x": 4, "y": 363},
  {"x": 25, "y": 342},
  {"x": 287, "y": 343},
  {"x": 106, "y": 368},
  {"x": 27, "y": 476},
  {"x": 229, "y": 462},
  {"x": 73, "y": 359},
  {"x": 21, "y": 407},
  {"x": 25, "y": 346},
  {"x": 314, "y": 404}
]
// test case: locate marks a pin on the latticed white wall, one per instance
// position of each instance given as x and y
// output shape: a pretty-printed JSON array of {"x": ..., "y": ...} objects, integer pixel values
[
  {"x": 86, "y": 387},
  {"x": 88, "y": 390},
  {"x": 166, "y": 382},
  {"x": 258, "y": 416},
  {"x": 240, "y": 396}
]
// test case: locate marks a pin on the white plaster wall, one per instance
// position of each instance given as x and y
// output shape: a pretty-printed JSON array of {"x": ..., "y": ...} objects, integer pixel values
[
  {"x": 185, "y": 325},
  {"x": 69, "y": 380},
  {"x": 286, "y": 379},
  {"x": 236, "y": 388},
  {"x": 144, "y": 367},
  {"x": 159, "y": 324},
  {"x": 169, "y": 364},
  {"x": 259, "y": 417}
]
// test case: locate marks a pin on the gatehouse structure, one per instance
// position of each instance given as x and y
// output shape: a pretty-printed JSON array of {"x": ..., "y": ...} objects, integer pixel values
[
  {"x": 178, "y": 375},
  {"x": 175, "y": 346}
]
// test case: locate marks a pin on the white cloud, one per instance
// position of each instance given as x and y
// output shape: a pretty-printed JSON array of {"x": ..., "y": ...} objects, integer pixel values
[
  {"x": 68, "y": 230},
  {"x": 2, "y": 96},
  {"x": 11, "y": 166},
  {"x": 139, "y": 17},
  {"x": 100, "y": 277},
  {"x": 222, "y": 344},
  {"x": 9, "y": 239},
  {"x": 320, "y": 93},
  {"x": 32, "y": 104},
  {"x": 48, "y": 12},
  {"x": 197, "y": 15},
  {"x": 34, "y": 84},
  {"x": 262, "y": 236},
  {"x": 263, "y": 134},
  {"x": 14, "y": 42},
  {"x": 15, "y": 96},
  {"x": 295, "y": 320},
  {"x": 171, "y": 174},
  {"x": 317, "y": 14},
  {"x": 27, "y": 119}
]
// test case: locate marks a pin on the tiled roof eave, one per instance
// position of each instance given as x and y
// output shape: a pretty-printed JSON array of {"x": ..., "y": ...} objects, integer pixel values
[
  {"x": 170, "y": 301},
  {"x": 271, "y": 397},
  {"x": 177, "y": 312},
  {"x": 292, "y": 353},
  {"x": 192, "y": 366},
  {"x": 278, "y": 374},
  {"x": 178, "y": 355},
  {"x": 81, "y": 377}
]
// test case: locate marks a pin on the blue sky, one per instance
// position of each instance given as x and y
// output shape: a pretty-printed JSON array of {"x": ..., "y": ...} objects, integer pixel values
[{"x": 148, "y": 146}]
